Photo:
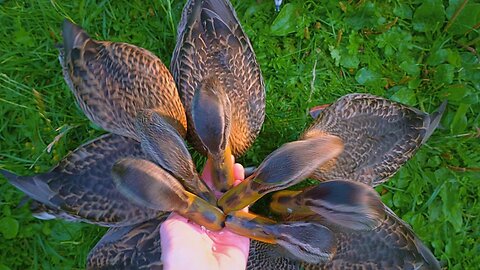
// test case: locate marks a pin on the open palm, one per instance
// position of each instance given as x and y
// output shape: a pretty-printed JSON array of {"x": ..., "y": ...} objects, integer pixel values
[{"x": 186, "y": 245}]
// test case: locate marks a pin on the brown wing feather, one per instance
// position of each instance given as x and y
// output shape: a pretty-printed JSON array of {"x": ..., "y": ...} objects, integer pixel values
[
  {"x": 379, "y": 136},
  {"x": 81, "y": 186},
  {"x": 393, "y": 245},
  {"x": 129, "y": 247},
  {"x": 112, "y": 82},
  {"x": 211, "y": 42}
]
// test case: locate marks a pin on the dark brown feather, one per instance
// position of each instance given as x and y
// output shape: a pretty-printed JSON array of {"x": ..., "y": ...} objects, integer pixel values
[
  {"x": 211, "y": 43},
  {"x": 113, "y": 81},
  {"x": 129, "y": 247},
  {"x": 379, "y": 136},
  {"x": 81, "y": 187}
]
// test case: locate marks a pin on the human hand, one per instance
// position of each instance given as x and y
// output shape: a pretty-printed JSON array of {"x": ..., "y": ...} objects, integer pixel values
[{"x": 186, "y": 245}]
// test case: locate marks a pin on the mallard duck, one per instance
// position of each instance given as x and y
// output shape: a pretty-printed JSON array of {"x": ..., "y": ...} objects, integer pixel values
[
  {"x": 112, "y": 82},
  {"x": 391, "y": 245},
  {"x": 220, "y": 84},
  {"x": 148, "y": 185},
  {"x": 286, "y": 166},
  {"x": 379, "y": 136},
  {"x": 341, "y": 203},
  {"x": 305, "y": 241},
  {"x": 129, "y": 247},
  {"x": 128, "y": 91},
  {"x": 81, "y": 187},
  {"x": 166, "y": 147},
  {"x": 120, "y": 87}
]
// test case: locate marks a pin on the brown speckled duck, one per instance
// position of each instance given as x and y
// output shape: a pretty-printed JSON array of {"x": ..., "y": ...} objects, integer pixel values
[
  {"x": 379, "y": 135},
  {"x": 219, "y": 82},
  {"x": 129, "y": 247},
  {"x": 374, "y": 237},
  {"x": 374, "y": 138},
  {"x": 81, "y": 187},
  {"x": 112, "y": 82},
  {"x": 390, "y": 245},
  {"x": 128, "y": 91}
]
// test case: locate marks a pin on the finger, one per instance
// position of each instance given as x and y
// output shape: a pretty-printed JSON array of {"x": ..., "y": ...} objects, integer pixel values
[
  {"x": 207, "y": 173},
  {"x": 238, "y": 172},
  {"x": 231, "y": 250},
  {"x": 175, "y": 232}
]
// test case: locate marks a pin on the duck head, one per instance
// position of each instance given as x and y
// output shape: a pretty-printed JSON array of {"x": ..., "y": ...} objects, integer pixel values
[
  {"x": 347, "y": 204},
  {"x": 148, "y": 185},
  {"x": 211, "y": 113},
  {"x": 286, "y": 166},
  {"x": 305, "y": 241},
  {"x": 166, "y": 147}
]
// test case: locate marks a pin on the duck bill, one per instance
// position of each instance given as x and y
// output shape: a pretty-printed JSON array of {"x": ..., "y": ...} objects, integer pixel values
[
  {"x": 283, "y": 202},
  {"x": 203, "y": 213},
  {"x": 222, "y": 171},
  {"x": 238, "y": 197},
  {"x": 203, "y": 190},
  {"x": 251, "y": 226}
]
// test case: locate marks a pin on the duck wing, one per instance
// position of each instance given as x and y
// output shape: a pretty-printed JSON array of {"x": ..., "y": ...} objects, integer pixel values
[{"x": 81, "y": 186}]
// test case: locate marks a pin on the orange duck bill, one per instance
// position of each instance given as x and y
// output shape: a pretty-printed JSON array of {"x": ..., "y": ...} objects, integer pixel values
[
  {"x": 304, "y": 241},
  {"x": 148, "y": 185},
  {"x": 286, "y": 166}
]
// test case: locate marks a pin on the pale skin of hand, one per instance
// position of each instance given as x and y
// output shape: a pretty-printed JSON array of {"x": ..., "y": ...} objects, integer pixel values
[{"x": 185, "y": 245}]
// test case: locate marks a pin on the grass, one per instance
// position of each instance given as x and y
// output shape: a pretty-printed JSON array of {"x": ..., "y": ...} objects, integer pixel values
[{"x": 416, "y": 52}]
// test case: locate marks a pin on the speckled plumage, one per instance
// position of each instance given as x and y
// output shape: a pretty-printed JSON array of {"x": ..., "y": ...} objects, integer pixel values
[
  {"x": 379, "y": 136},
  {"x": 112, "y": 82},
  {"x": 393, "y": 245},
  {"x": 81, "y": 187},
  {"x": 211, "y": 43},
  {"x": 129, "y": 247}
]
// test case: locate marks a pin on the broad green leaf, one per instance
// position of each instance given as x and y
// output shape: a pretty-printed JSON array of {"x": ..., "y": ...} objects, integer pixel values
[
  {"x": 9, "y": 227},
  {"x": 363, "y": 16},
  {"x": 455, "y": 92},
  {"x": 405, "y": 95},
  {"x": 335, "y": 54},
  {"x": 286, "y": 21},
  {"x": 349, "y": 61},
  {"x": 367, "y": 77},
  {"x": 450, "y": 207},
  {"x": 444, "y": 74},
  {"x": 414, "y": 83},
  {"x": 472, "y": 98},
  {"x": 403, "y": 11},
  {"x": 454, "y": 58},
  {"x": 434, "y": 162},
  {"x": 410, "y": 68},
  {"x": 401, "y": 198},
  {"x": 429, "y": 16},
  {"x": 435, "y": 211},
  {"x": 470, "y": 69},
  {"x": 437, "y": 57},
  {"x": 465, "y": 20}
]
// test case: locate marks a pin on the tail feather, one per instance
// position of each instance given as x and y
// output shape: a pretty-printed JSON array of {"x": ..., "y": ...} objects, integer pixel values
[
  {"x": 425, "y": 252},
  {"x": 219, "y": 12},
  {"x": 223, "y": 9},
  {"x": 34, "y": 186},
  {"x": 73, "y": 36},
  {"x": 434, "y": 119}
]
